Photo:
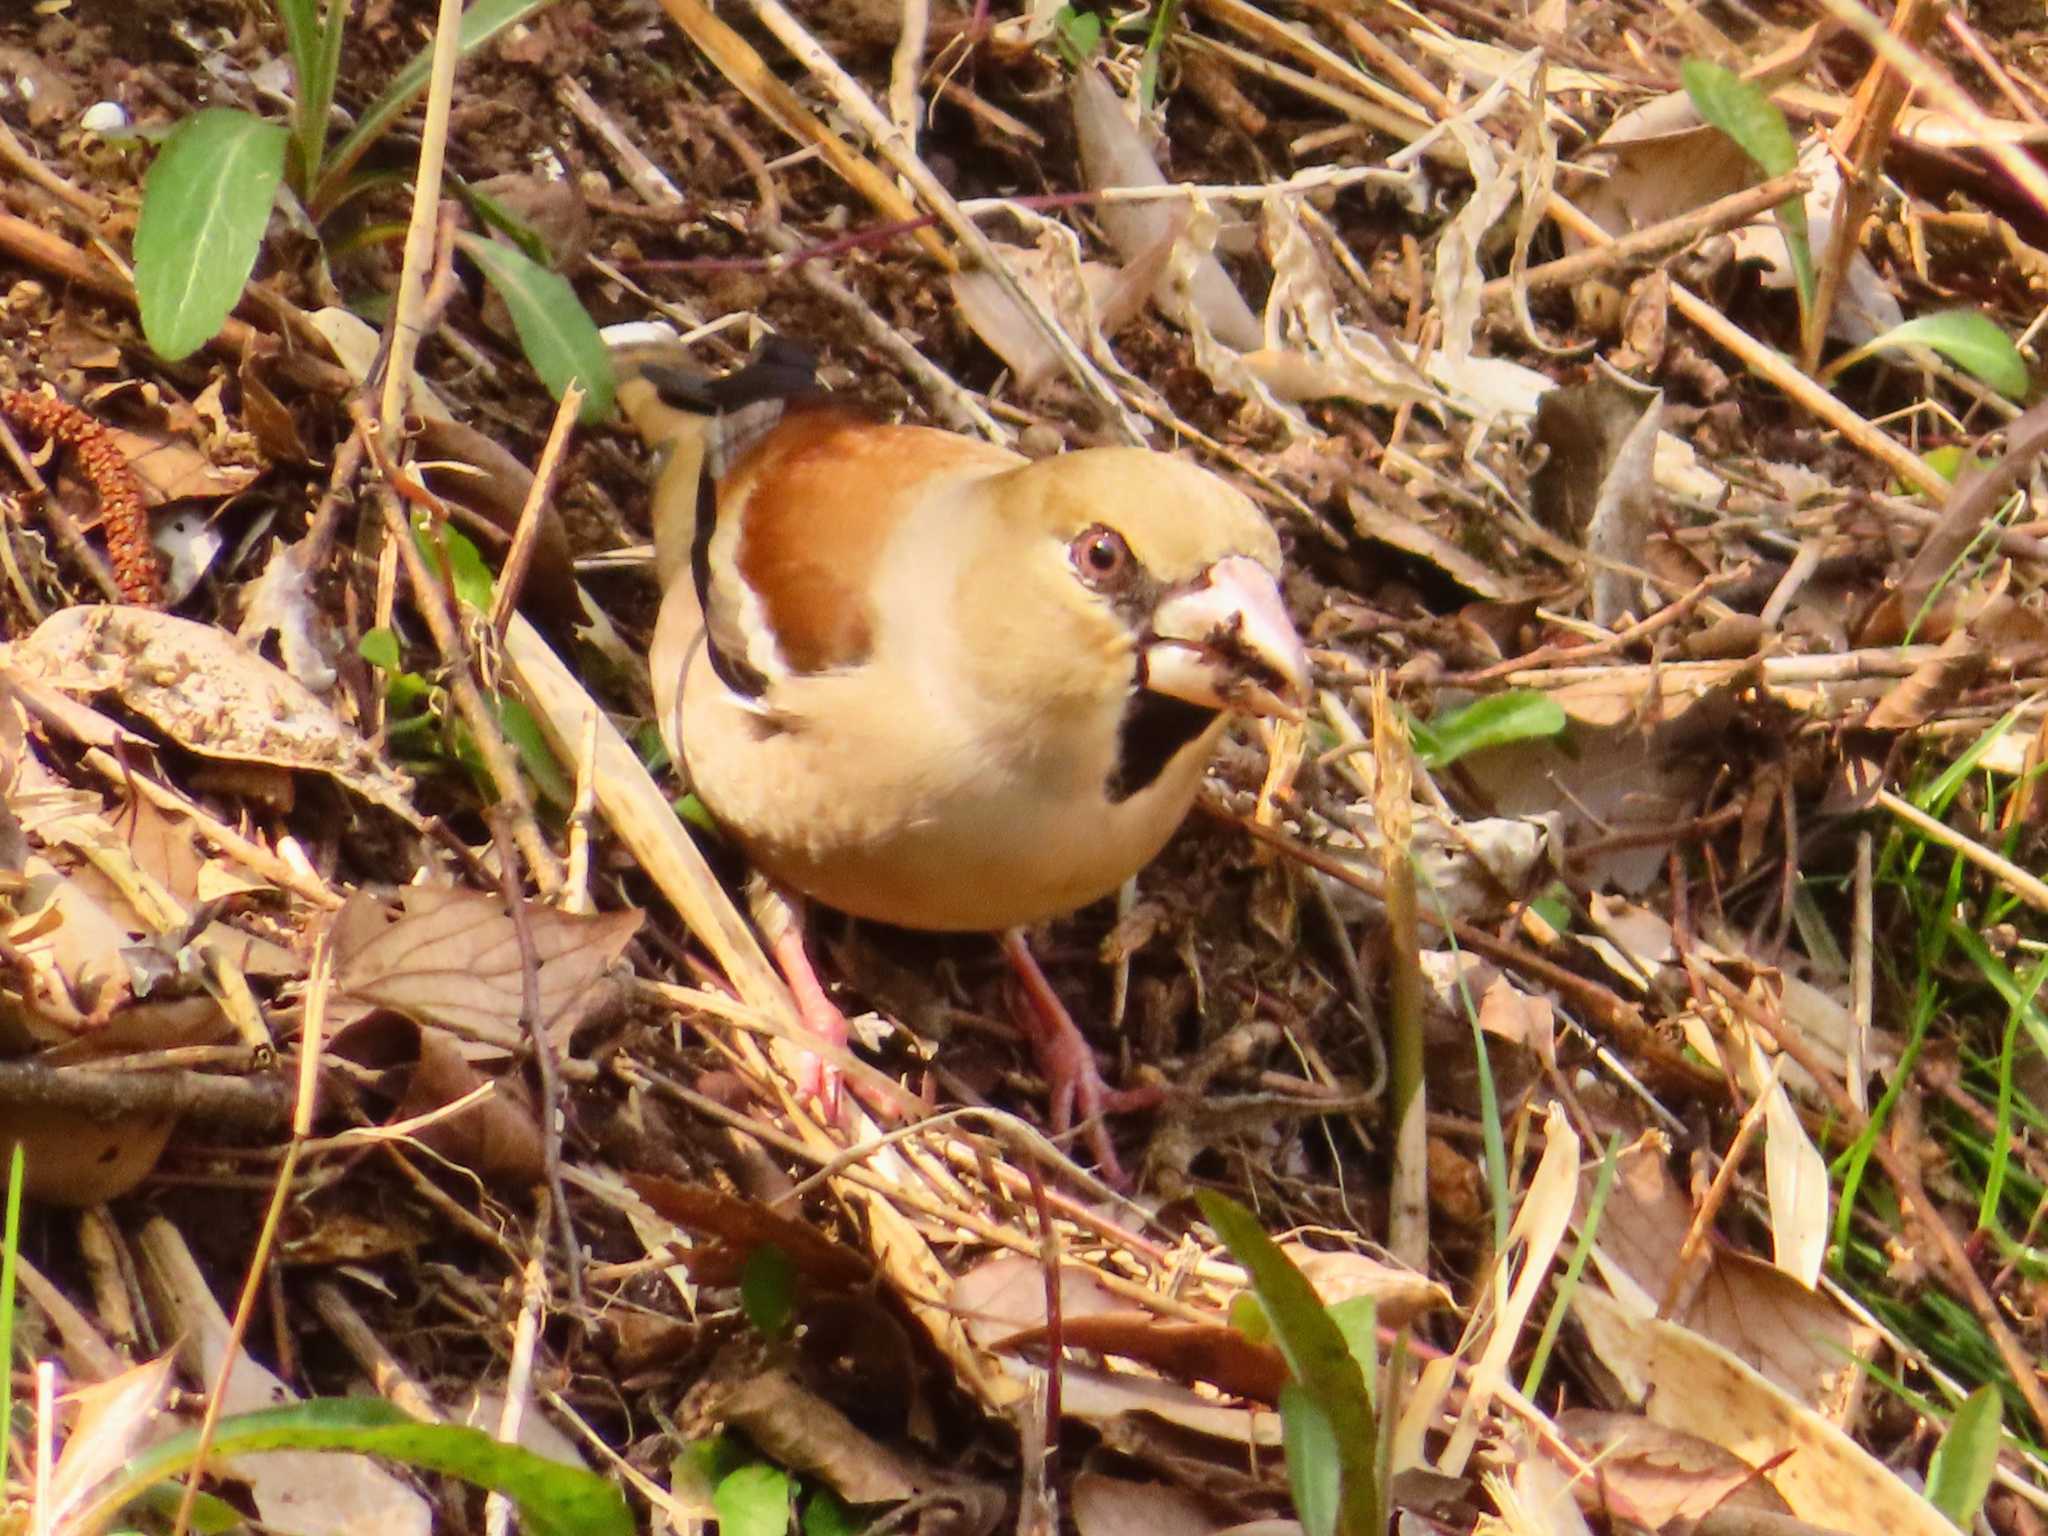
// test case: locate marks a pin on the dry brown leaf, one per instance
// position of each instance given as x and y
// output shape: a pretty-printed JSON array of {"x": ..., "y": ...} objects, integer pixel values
[
  {"x": 1687, "y": 1383},
  {"x": 1932, "y": 686},
  {"x": 208, "y": 692},
  {"x": 69, "y": 1158},
  {"x": 1799, "y": 1339},
  {"x": 451, "y": 957},
  {"x": 1112, "y": 155},
  {"x": 172, "y": 467},
  {"x": 1660, "y": 163},
  {"x": 1006, "y": 1295},
  {"x": 109, "y": 1421},
  {"x": 1213, "y": 1352},
  {"x": 1599, "y": 484},
  {"x": 1399, "y": 1295},
  {"x": 1654, "y": 1474},
  {"x": 500, "y": 1138},
  {"x": 797, "y": 1429}
]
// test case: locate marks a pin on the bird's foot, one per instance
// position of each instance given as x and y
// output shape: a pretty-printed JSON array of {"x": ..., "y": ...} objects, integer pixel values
[
  {"x": 781, "y": 919},
  {"x": 1068, "y": 1062},
  {"x": 815, "y": 1078}
]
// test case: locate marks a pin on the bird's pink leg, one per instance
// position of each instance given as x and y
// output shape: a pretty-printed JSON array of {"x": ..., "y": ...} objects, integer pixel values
[
  {"x": 1067, "y": 1060},
  {"x": 779, "y": 914},
  {"x": 780, "y": 917}
]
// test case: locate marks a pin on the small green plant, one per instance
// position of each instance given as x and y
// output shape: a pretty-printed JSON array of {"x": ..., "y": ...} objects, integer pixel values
[
  {"x": 1498, "y": 720},
  {"x": 1164, "y": 15},
  {"x": 1974, "y": 342},
  {"x": 1959, "y": 1473},
  {"x": 1329, "y": 1425},
  {"x": 1745, "y": 113},
  {"x": 419, "y": 725},
  {"x": 752, "y": 1496},
  {"x": 207, "y": 199},
  {"x": 1741, "y": 109},
  {"x": 1077, "y": 34}
]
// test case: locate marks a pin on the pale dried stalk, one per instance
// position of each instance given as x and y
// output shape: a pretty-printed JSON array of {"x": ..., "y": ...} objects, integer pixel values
[
  {"x": 1407, "y": 1097},
  {"x": 419, "y": 231}
]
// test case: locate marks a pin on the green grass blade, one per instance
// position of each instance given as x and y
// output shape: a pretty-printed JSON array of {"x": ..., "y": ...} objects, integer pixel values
[
  {"x": 1959, "y": 1474},
  {"x": 1317, "y": 1356},
  {"x": 1741, "y": 109},
  {"x": 205, "y": 205},
  {"x": 555, "y": 330},
  {"x": 1496, "y": 721},
  {"x": 553, "y": 1499},
  {"x": 1970, "y": 339},
  {"x": 10, "y": 1245},
  {"x": 484, "y": 20},
  {"x": 1745, "y": 112}
]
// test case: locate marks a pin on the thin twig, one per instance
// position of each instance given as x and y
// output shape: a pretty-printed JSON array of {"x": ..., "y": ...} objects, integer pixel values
[{"x": 553, "y": 1103}]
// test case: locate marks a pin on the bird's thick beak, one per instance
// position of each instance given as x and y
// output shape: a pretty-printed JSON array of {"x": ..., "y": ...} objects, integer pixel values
[{"x": 1225, "y": 641}]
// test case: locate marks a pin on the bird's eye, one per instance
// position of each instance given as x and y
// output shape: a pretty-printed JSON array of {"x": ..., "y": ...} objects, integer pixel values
[{"x": 1102, "y": 557}]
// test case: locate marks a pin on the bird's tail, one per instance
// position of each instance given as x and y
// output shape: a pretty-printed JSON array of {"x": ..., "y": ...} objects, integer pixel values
[{"x": 699, "y": 423}]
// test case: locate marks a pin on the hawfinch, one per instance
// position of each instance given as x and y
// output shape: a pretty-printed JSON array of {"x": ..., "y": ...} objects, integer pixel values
[{"x": 932, "y": 683}]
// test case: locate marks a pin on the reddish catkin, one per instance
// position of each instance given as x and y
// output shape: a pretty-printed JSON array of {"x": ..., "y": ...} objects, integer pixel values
[{"x": 106, "y": 469}]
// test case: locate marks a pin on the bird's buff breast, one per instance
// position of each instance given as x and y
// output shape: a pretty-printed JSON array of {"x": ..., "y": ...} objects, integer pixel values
[{"x": 848, "y": 817}]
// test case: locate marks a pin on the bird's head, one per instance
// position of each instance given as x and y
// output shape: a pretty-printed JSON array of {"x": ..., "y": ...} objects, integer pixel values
[{"x": 1164, "y": 571}]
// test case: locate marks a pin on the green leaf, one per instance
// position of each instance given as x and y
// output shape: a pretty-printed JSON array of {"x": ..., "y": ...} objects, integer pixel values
[
  {"x": 555, "y": 330},
  {"x": 1553, "y": 910},
  {"x": 1741, "y": 109},
  {"x": 754, "y": 1501},
  {"x": 379, "y": 647},
  {"x": 10, "y": 1246},
  {"x": 650, "y": 748},
  {"x": 554, "y": 1500},
  {"x": 535, "y": 755},
  {"x": 495, "y": 215},
  {"x": 693, "y": 811},
  {"x": 768, "y": 1291},
  {"x": 1317, "y": 1355},
  {"x": 467, "y": 572},
  {"x": 1077, "y": 33},
  {"x": 205, "y": 205},
  {"x": 1357, "y": 1318},
  {"x": 1315, "y": 1469},
  {"x": 1950, "y": 460},
  {"x": 301, "y": 20},
  {"x": 484, "y": 20},
  {"x": 1973, "y": 341},
  {"x": 1249, "y": 1318},
  {"x": 1498, "y": 720},
  {"x": 407, "y": 693},
  {"x": 826, "y": 1514},
  {"x": 701, "y": 1465},
  {"x": 315, "y": 50},
  {"x": 210, "y": 1516},
  {"x": 1959, "y": 1474},
  {"x": 1744, "y": 111}
]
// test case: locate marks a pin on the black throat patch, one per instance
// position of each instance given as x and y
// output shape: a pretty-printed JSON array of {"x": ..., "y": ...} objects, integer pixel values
[{"x": 1154, "y": 728}]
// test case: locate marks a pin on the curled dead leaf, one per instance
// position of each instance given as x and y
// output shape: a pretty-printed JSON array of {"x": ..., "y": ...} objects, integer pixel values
[{"x": 206, "y": 691}]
